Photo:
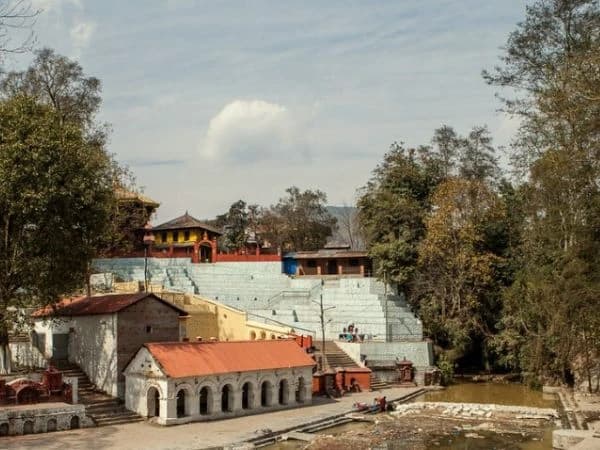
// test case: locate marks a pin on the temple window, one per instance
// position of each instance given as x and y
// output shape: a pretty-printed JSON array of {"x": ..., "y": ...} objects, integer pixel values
[
  {"x": 175, "y": 236},
  {"x": 186, "y": 236},
  {"x": 164, "y": 236}
]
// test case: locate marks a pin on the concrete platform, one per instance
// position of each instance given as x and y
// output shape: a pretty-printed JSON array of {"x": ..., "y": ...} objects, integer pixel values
[{"x": 144, "y": 435}]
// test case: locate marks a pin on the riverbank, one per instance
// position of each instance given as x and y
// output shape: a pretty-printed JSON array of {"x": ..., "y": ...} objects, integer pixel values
[{"x": 201, "y": 435}]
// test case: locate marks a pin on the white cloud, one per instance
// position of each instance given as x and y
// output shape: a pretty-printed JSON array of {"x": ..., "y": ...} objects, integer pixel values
[
  {"x": 254, "y": 130},
  {"x": 81, "y": 34}
]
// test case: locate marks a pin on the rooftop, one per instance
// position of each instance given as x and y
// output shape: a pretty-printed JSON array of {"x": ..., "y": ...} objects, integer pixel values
[
  {"x": 126, "y": 195},
  {"x": 188, "y": 359},
  {"x": 99, "y": 304},
  {"x": 186, "y": 221}
]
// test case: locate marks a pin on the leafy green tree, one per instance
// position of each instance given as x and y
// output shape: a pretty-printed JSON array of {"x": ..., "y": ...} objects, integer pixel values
[
  {"x": 236, "y": 223},
  {"x": 56, "y": 195},
  {"x": 477, "y": 156},
  {"x": 392, "y": 207},
  {"x": 299, "y": 221}
]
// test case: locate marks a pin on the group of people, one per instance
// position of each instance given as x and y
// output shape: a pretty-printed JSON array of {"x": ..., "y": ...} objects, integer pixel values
[
  {"x": 379, "y": 404},
  {"x": 350, "y": 334}
]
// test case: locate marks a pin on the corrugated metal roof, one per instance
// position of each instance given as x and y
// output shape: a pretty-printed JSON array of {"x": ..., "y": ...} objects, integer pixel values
[
  {"x": 100, "y": 304},
  {"x": 185, "y": 221},
  {"x": 189, "y": 359}
]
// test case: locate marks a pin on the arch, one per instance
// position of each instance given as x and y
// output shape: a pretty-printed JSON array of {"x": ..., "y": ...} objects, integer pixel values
[
  {"x": 263, "y": 335},
  {"x": 153, "y": 402},
  {"x": 227, "y": 398},
  {"x": 205, "y": 251},
  {"x": 300, "y": 390},
  {"x": 253, "y": 335},
  {"x": 206, "y": 400},
  {"x": 182, "y": 403},
  {"x": 28, "y": 427},
  {"x": 74, "y": 422},
  {"x": 273, "y": 336},
  {"x": 247, "y": 395},
  {"x": 266, "y": 393},
  {"x": 51, "y": 425},
  {"x": 284, "y": 392},
  {"x": 4, "y": 429}
]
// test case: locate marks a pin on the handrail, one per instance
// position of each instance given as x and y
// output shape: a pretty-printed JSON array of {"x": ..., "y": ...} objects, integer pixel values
[{"x": 277, "y": 322}]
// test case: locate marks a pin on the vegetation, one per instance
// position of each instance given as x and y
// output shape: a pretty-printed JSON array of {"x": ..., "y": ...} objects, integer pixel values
[
  {"x": 57, "y": 186},
  {"x": 507, "y": 276}
]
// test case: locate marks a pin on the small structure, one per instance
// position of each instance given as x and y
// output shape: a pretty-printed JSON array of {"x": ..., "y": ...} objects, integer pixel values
[
  {"x": 186, "y": 236},
  {"x": 405, "y": 372},
  {"x": 180, "y": 382},
  {"x": 102, "y": 333},
  {"x": 328, "y": 261}
]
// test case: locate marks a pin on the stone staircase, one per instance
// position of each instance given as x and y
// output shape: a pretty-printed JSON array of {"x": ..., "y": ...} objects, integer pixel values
[
  {"x": 103, "y": 409},
  {"x": 336, "y": 357},
  {"x": 377, "y": 384}
]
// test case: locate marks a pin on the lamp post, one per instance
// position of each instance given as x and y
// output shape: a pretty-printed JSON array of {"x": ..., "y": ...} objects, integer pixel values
[{"x": 148, "y": 241}]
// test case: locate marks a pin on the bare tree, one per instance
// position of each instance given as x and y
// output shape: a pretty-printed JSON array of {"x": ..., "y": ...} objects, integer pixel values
[
  {"x": 349, "y": 227},
  {"x": 17, "y": 18}
]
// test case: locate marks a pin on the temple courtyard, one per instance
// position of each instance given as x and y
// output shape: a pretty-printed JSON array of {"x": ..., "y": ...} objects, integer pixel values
[{"x": 197, "y": 435}]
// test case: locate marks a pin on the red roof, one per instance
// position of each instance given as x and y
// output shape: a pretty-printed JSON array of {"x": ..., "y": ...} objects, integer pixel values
[
  {"x": 100, "y": 304},
  {"x": 190, "y": 359}
]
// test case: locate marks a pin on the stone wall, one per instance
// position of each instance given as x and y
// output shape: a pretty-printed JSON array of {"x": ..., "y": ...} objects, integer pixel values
[
  {"x": 42, "y": 418},
  {"x": 25, "y": 355}
]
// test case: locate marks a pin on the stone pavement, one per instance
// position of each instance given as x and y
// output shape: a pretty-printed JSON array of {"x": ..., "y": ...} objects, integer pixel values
[{"x": 198, "y": 435}]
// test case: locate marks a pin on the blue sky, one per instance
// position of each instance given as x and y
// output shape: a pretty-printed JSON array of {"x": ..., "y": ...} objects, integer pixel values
[{"x": 213, "y": 101}]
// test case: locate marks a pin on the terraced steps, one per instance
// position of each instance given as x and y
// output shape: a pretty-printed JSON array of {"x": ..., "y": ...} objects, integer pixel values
[{"x": 102, "y": 408}]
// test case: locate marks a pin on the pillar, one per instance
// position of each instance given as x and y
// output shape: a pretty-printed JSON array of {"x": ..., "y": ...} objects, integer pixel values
[
  {"x": 213, "y": 246},
  {"x": 194, "y": 404},
  {"x": 340, "y": 269},
  {"x": 362, "y": 270},
  {"x": 168, "y": 408},
  {"x": 196, "y": 253}
]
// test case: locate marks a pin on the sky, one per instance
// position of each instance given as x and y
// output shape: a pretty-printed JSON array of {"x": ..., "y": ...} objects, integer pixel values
[{"x": 214, "y": 101}]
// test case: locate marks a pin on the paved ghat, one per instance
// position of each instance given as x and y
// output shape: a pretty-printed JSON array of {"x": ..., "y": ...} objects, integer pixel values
[{"x": 195, "y": 435}]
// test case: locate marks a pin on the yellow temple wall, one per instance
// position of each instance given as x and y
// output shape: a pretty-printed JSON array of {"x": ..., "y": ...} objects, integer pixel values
[{"x": 194, "y": 236}]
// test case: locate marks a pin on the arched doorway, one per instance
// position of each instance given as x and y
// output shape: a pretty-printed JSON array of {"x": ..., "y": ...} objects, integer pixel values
[
  {"x": 28, "y": 427},
  {"x": 51, "y": 425},
  {"x": 205, "y": 252},
  {"x": 284, "y": 392},
  {"x": 205, "y": 401},
  {"x": 4, "y": 429},
  {"x": 247, "y": 395},
  {"x": 266, "y": 393},
  {"x": 227, "y": 398},
  {"x": 253, "y": 335},
  {"x": 300, "y": 390},
  {"x": 74, "y": 422},
  {"x": 153, "y": 402},
  {"x": 181, "y": 403}
]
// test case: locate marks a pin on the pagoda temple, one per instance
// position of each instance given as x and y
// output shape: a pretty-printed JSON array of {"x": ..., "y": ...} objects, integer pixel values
[{"x": 186, "y": 236}]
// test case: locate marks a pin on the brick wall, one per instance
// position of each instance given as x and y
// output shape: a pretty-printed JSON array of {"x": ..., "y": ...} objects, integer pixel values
[{"x": 146, "y": 321}]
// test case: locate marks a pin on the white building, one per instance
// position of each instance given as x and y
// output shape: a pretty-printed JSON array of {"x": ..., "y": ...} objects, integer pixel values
[
  {"x": 180, "y": 382},
  {"x": 102, "y": 333}
]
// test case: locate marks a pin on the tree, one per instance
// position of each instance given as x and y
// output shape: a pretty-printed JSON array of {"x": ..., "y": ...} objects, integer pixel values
[
  {"x": 236, "y": 224},
  {"x": 456, "y": 287},
  {"x": 477, "y": 159},
  {"x": 447, "y": 144},
  {"x": 16, "y": 16},
  {"x": 299, "y": 221},
  {"x": 56, "y": 196},
  {"x": 392, "y": 207},
  {"x": 552, "y": 65},
  {"x": 59, "y": 82}
]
